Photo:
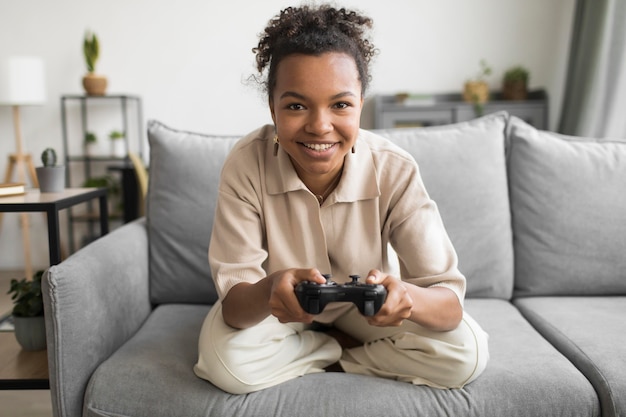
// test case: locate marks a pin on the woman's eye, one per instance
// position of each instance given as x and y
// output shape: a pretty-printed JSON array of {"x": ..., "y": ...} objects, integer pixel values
[
  {"x": 342, "y": 105},
  {"x": 295, "y": 106}
]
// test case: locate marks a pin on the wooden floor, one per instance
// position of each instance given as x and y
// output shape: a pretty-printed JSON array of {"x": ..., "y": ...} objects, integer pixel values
[{"x": 34, "y": 403}]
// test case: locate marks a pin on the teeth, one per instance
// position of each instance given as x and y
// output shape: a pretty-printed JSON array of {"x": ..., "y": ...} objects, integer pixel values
[{"x": 318, "y": 146}]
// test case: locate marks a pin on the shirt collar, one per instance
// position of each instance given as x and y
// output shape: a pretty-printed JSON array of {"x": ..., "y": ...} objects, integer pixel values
[{"x": 358, "y": 181}]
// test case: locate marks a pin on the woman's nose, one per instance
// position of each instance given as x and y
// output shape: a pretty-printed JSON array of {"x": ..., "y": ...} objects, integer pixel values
[{"x": 319, "y": 122}]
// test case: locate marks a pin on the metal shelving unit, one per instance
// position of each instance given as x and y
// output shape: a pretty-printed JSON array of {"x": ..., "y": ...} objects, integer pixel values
[{"x": 130, "y": 108}]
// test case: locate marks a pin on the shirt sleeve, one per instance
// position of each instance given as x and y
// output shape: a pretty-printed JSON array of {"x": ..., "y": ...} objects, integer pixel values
[
  {"x": 416, "y": 232},
  {"x": 236, "y": 250}
]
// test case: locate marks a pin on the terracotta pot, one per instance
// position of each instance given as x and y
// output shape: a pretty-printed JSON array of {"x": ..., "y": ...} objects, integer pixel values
[
  {"x": 514, "y": 90},
  {"x": 476, "y": 92},
  {"x": 94, "y": 84}
]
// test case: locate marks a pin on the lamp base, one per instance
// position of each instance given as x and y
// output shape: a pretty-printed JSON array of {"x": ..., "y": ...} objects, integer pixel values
[
  {"x": 26, "y": 160},
  {"x": 22, "y": 162}
]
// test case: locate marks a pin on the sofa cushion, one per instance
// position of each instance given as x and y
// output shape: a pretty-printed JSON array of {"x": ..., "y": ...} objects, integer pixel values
[
  {"x": 184, "y": 175},
  {"x": 152, "y": 375},
  {"x": 591, "y": 332},
  {"x": 463, "y": 168},
  {"x": 568, "y": 198}
]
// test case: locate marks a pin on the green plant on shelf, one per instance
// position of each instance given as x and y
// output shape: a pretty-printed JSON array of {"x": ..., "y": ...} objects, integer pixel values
[
  {"x": 105, "y": 181},
  {"x": 517, "y": 74},
  {"x": 115, "y": 135},
  {"x": 113, "y": 187},
  {"x": 91, "y": 50},
  {"x": 484, "y": 71},
  {"x": 476, "y": 90},
  {"x": 90, "y": 137}
]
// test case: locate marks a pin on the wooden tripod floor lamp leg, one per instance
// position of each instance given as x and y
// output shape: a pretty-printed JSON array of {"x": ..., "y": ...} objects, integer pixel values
[{"x": 21, "y": 162}]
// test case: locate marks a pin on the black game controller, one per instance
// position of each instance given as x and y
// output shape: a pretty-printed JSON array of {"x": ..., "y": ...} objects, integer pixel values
[{"x": 368, "y": 298}]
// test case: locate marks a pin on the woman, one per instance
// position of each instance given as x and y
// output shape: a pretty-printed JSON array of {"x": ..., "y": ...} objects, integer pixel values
[{"x": 314, "y": 194}]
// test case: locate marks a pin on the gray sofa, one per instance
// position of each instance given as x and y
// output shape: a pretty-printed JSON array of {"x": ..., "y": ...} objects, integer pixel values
[{"x": 539, "y": 224}]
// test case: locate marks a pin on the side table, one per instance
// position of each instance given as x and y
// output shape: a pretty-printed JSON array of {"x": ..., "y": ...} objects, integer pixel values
[
  {"x": 51, "y": 204},
  {"x": 20, "y": 369}
]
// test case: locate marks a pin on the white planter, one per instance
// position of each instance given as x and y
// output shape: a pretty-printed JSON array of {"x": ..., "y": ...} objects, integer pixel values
[
  {"x": 51, "y": 179},
  {"x": 91, "y": 149},
  {"x": 118, "y": 148}
]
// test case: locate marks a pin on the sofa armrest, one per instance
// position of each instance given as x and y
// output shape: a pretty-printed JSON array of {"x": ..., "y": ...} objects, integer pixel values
[{"x": 93, "y": 301}]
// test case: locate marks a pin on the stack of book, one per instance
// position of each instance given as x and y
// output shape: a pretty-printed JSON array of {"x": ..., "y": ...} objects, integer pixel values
[{"x": 12, "y": 188}]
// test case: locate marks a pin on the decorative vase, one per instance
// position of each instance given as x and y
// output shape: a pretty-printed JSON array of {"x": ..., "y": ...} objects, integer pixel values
[
  {"x": 30, "y": 332},
  {"x": 94, "y": 84},
  {"x": 51, "y": 179}
]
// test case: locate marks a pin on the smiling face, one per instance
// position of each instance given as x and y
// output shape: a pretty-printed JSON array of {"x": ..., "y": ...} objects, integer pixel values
[{"x": 316, "y": 107}]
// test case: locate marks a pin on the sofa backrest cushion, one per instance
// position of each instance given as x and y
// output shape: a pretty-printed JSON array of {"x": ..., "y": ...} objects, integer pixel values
[
  {"x": 182, "y": 190},
  {"x": 463, "y": 168},
  {"x": 568, "y": 198}
]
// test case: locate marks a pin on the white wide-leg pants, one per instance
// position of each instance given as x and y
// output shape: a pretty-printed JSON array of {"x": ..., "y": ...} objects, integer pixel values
[{"x": 244, "y": 361}]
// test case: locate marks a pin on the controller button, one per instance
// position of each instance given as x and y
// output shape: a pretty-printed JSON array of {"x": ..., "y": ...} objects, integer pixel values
[{"x": 368, "y": 308}]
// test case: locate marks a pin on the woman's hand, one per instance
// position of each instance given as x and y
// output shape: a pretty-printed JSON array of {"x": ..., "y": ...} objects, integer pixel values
[
  {"x": 247, "y": 304},
  {"x": 397, "y": 306},
  {"x": 435, "y": 308},
  {"x": 283, "y": 302}
]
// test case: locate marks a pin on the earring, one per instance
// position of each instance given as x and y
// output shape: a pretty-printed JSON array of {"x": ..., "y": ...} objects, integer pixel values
[
  {"x": 276, "y": 142},
  {"x": 353, "y": 150}
]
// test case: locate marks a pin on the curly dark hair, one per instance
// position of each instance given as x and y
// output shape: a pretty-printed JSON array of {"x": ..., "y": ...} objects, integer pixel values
[{"x": 314, "y": 31}]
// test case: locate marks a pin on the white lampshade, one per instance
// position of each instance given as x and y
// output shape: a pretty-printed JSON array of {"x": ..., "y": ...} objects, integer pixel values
[{"x": 22, "y": 81}]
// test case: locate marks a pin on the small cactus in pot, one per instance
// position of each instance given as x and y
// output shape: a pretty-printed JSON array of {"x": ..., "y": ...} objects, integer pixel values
[
  {"x": 51, "y": 177},
  {"x": 49, "y": 157}
]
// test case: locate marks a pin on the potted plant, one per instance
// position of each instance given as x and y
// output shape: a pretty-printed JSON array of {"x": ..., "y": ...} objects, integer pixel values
[
  {"x": 515, "y": 83},
  {"x": 51, "y": 177},
  {"x": 94, "y": 84},
  {"x": 476, "y": 90},
  {"x": 118, "y": 146},
  {"x": 28, "y": 318},
  {"x": 91, "y": 144},
  {"x": 113, "y": 187}
]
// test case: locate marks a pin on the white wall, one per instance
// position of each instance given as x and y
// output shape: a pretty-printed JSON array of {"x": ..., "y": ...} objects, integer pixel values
[{"x": 189, "y": 59}]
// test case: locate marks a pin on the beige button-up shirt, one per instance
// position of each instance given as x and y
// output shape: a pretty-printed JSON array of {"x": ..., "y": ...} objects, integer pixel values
[{"x": 267, "y": 220}]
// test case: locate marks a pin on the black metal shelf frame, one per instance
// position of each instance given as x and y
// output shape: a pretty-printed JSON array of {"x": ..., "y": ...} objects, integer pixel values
[{"x": 126, "y": 103}]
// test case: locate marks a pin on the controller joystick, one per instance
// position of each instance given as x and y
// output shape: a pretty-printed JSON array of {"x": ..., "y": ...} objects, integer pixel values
[{"x": 314, "y": 297}]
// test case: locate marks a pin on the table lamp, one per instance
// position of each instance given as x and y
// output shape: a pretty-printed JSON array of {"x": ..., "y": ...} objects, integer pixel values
[{"x": 22, "y": 84}]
